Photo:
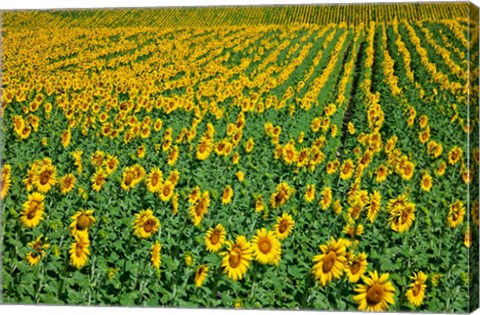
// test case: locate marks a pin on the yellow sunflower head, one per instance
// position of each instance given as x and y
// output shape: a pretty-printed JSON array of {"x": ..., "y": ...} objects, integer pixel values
[
  {"x": 154, "y": 180},
  {"x": 266, "y": 247},
  {"x": 45, "y": 178},
  {"x": 215, "y": 238},
  {"x": 80, "y": 250},
  {"x": 33, "y": 208},
  {"x": 456, "y": 214},
  {"x": 356, "y": 267},
  {"x": 227, "y": 195},
  {"x": 200, "y": 208},
  {"x": 145, "y": 224},
  {"x": 82, "y": 221},
  {"x": 166, "y": 190},
  {"x": 67, "y": 183},
  {"x": 330, "y": 264},
  {"x": 155, "y": 255},
  {"x": 310, "y": 193},
  {"x": 375, "y": 294},
  {"x": 284, "y": 226},
  {"x": 416, "y": 292},
  {"x": 99, "y": 179},
  {"x": 200, "y": 275},
  {"x": 236, "y": 259}
]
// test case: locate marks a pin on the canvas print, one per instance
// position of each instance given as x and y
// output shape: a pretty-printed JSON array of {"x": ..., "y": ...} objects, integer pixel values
[{"x": 301, "y": 157}]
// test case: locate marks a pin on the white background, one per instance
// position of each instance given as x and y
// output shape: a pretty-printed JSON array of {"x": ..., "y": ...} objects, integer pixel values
[{"x": 47, "y": 4}]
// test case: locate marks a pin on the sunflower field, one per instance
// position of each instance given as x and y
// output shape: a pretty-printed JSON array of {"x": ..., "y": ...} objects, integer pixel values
[{"x": 279, "y": 157}]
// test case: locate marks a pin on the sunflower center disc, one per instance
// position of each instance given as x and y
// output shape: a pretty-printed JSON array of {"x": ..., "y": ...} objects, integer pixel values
[
  {"x": 404, "y": 216},
  {"x": 128, "y": 179},
  {"x": 82, "y": 222},
  {"x": 214, "y": 238},
  {"x": 283, "y": 227},
  {"x": 234, "y": 259},
  {"x": 44, "y": 178},
  {"x": 166, "y": 190},
  {"x": 416, "y": 289},
  {"x": 32, "y": 210},
  {"x": 375, "y": 294},
  {"x": 265, "y": 245},
  {"x": 79, "y": 250},
  {"x": 329, "y": 261},
  {"x": 355, "y": 267},
  {"x": 154, "y": 181},
  {"x": 148, "y": 227}
]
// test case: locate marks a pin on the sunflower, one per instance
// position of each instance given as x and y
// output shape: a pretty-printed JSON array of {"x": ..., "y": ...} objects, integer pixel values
[
  {"x": 284, "y": 226},
  {"x": 240, "y": 176},
  {"x": 154, "y": 180},
  {"x": 407, "y": 171},
  {"x": 375, "y": 294},
  {"x": 467, "y": 238},
  {"x": 45, "y": 178},
  {"x": 200, "y": 275},
  {"x": 310, "y": 193},
  {"x": 174, "y": 177},
  {"x": 281, "y": 195},
  {"x": 33, "y": 257},
  {"x": 423, "y": 121},
  {"x": 351, "y": 128},
  {"x": 266, "y": 247},
  {"x": 330, "y": 263},
  {"x": 80, "y": 251},
  {"x": 145, "y": 224},
  {"x": 205, "y": 148},
  {"x": 441, "y": 168},
  {"x": 82, "y": 221},
  {"x": 166, "y": 191},
  {"x": 346, "y": 170},
  {"x": 97, "y": 158},
  {"x": 332, "y": 167},
  {"x": 456, "y": 214},
  {"x": 227, "y": 195},
  {"x": 416, "y": 292},
  {"x": 155, "y": 255},
  {"x": 259, "y": 203},
  {"x": 337, "y": 207},
  {"x": 99, "y": 179},
  {"x": 426, "y": 183},
  {"x": 141, "y": 150},
  {"x": 382, "y": 173},
  {"x": 32, "y": 212},
  {"x": 5, "y": 184},
  {"x": 188, "y": 259},
  {"x": 128, "y": 178},
  {"x": 67, "y": 183},
  {"x": 356, "y": 267},
  {"x": 25, "y": 132},
  {"x": 236, "y": 259},
  {"x": 139, "y": 173},
  {"x": 194, "y": 195},
  {"x": 77, "y": 156},
  {"x": 66, "y": 138},
  {"x": 215, "y": 238},
  {"x": 402, "y": 217},
  {"x": 289, "y": 153},
  {"x": 236, "y": 158},
  {"x": 175, "y": 203},
  {"x": 198, "y": 210},
  {"x": 325, "y": 198},
  {"x": 173, "y": 156},
  {"x": 455, "y": 155},
  {"x": 373, "y": 207}
]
